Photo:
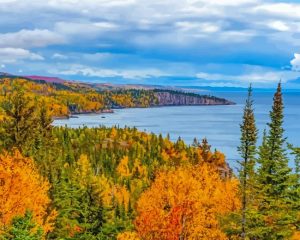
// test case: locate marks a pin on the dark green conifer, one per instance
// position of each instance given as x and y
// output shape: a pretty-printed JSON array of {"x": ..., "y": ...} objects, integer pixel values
[
  {"x": 247, "y": 150},
  {"x": 276, "y": 216}
]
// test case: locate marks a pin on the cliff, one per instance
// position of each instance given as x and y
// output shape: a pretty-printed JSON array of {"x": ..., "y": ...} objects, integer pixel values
[{"x": 176, "y": 98}]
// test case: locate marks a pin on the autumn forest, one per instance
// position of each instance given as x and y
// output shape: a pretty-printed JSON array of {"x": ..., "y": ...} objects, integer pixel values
[{"x": 124, "y": 184}]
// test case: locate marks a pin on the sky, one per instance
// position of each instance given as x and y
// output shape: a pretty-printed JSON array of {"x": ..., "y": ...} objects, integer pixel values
[{"x": 165, "y": 42}]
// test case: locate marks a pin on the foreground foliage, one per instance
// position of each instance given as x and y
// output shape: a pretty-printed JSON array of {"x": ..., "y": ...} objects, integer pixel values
[
  {"x": 120, "y": 183},
  {"x": 22, "y": 189},
  {"x": 185, "y": 204}
]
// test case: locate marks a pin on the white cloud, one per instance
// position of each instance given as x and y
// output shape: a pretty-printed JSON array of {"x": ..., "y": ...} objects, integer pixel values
[
  {"x": 152, "y": 29},
  {"x": 84, "y": 29},
  {"x": 295, "y": 62},
  {"x": 278, "y": 25},
  {"x": 254, "y": 77},
  {"x": 107, "y": 73},
  {"x": 287, "y": 10},
  {"x": 234, "y": 20},
  {"x": 206, "y": 27},
  {"x": 30, "y": 38},
  {"x": 59, "y": 56},
  {"x": 11, "y": 55}
]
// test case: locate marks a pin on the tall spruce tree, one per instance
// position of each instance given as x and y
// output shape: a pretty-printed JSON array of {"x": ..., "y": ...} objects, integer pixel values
[
  {"x": 18, "y": 127},
  {"x": 247, "y": 150},
  {"x": 275, "y": 181}
]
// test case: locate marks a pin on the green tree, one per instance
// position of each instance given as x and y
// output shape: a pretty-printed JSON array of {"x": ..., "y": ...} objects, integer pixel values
[
  {"x": 276, "y": 216},
  {"x": 296, "y": 153},
  {"x": 18, "y": 127},
  {"x": 247, "y": 150},
  {"x": 23, "y": 228},
  {"x": 79, "y": 203}
]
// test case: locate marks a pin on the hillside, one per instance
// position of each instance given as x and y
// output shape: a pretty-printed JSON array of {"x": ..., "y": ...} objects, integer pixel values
[{"x": 69, "y": 97}]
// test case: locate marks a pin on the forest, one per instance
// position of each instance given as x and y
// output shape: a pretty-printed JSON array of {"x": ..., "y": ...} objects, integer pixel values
[
  {"x": 120, "y": 183},
  {"x": 66, "y": 98}
]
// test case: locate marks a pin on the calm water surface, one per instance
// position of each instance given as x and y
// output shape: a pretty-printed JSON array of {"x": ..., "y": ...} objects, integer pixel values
[{"x": 219, "y": 124}]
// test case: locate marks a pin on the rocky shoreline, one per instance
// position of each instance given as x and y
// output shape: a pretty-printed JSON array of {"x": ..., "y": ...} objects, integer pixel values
[{"x": 161, "y": 98}]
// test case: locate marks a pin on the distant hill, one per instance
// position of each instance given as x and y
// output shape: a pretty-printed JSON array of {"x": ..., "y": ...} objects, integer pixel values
[
  {"x": 65, "y": 97},
  {"x": 46, "y": 79}
]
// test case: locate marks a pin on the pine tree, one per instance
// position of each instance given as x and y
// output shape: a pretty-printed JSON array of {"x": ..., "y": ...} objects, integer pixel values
[
  {"x": 247, "y": 150},
  {"x": 18, "y": 127},
  {"x": 23, "y": 228},
  {"x": 275, "y": 181}
]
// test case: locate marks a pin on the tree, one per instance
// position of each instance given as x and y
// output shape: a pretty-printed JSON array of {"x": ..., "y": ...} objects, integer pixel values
[
  {"x": 296, "y": 153},
  {"x": 128, "y": 236},
  {"x": 18, "y": 126},
  {"x": 296, "y": 190},
  {"x": 247, "y": 150},
  {"x": 185, "y": 204},
  {"x": 79, "y": 202},
  {"x": 23, "y": 228},
  {"x": 22, "y": 189},
  {"x": 276, "y": 215},
  {"x": 44, "y": 124}
]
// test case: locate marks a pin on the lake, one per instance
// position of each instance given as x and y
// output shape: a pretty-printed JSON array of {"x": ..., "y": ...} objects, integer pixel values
[{"x": 219, "y": 124}]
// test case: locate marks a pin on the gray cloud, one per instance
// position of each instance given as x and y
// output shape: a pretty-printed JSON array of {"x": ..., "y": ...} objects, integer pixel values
[
  {"x": 147, "y": 33},
  {"x": 11, "y": 55},
  {"x": 30, "y": 38}
]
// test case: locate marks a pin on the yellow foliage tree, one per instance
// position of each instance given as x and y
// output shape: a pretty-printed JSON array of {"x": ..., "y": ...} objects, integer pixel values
[
  {"x": 123, "y": 168},
  {"x": 128, "y": 236},
  {"x": 21, "y": 189},
  {"x": 83, "y": 171},
  {"x": 185, "y": 204},
  {"x": 121, "y": 195},
  {"x": 138, "y": 169}
]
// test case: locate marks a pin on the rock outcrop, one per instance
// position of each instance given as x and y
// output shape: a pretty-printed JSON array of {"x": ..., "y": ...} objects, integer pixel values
[{"x": 176, "y": 98}]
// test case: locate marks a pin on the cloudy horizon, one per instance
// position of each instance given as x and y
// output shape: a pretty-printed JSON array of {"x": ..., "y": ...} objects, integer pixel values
[{"x": 189, "y": 42}]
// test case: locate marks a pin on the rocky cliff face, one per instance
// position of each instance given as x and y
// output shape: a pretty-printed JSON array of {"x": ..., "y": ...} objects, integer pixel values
[{"x": 173, "y": 98}]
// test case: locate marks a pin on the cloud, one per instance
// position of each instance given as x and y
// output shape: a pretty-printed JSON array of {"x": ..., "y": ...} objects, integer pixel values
[
  {"x": 59, "y": 56},
  {"x": 295, "y": 62},
  {"x": 196, "y": 26},
  {"x": 254, "y": 77},
  {"x": 286, "y": 10},
  {"x": 278, "y": 25},
  {"x": 142, "y": 38},
  {"x": 84, "y": 29},
  {"x": 30, "y": 38},
  {"x": 11, "y": 55},
  {"x": 108, "y": 73}
]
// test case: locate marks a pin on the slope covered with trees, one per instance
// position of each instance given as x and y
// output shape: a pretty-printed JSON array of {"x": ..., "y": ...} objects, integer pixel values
[
  {"x": 65, "y": 97},
  {"x": 120, "y": 183}
]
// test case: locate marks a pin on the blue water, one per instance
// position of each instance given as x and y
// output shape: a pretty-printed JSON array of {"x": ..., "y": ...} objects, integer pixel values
[{"x": 219, "y": 124}]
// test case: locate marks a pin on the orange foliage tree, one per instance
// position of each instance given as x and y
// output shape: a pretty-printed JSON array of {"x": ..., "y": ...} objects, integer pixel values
[
  {"x": 22, "y": 189},
  {"x": 185, "y": 204}
]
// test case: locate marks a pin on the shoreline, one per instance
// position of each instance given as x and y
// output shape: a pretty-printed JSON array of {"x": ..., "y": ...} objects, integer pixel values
[{"x": 111, "y": 110}]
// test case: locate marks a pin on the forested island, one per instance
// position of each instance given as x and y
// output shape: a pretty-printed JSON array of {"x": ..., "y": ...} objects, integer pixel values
[
  {"x": 120, "y": 183},
  {"x": 64, "y": 98}
]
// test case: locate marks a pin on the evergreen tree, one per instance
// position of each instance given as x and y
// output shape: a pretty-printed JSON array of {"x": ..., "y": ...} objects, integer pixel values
[
  {"x": 296, "y": 153},
  {"x": 205, "y": 149},
  {"x": 18, "y": 127},
  {"x": 276, "y": 216},
  {"x": 23, "y": 228},
  {"x": 247, "y": 150}
]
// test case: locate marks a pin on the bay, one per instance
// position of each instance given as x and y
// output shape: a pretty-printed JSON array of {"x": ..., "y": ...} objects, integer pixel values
[{"x": 219, "y": 124}]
